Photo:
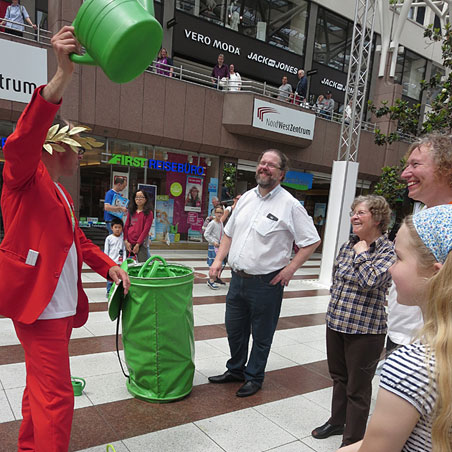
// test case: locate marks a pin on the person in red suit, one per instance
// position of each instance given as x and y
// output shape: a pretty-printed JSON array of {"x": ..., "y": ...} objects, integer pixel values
[{"x": 41, "y": 259}]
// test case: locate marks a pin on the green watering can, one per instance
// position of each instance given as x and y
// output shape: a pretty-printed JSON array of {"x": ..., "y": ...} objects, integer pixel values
[{"x": 121, "y": 36}]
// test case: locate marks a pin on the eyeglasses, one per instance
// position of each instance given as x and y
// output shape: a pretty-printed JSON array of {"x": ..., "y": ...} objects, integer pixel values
[
  {"x": 360, "y": 213},
  {"x": 81, "y": 151},
  {"x": 140, "y": 197},
  {"x": 270, "y": 165}
]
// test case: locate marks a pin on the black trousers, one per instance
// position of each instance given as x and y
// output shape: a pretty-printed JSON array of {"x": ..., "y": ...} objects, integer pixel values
[{"x": 352, "y": 361}]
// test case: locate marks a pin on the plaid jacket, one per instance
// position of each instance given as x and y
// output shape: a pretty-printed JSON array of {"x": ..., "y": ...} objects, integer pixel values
[{"x": 360, "y": 284}]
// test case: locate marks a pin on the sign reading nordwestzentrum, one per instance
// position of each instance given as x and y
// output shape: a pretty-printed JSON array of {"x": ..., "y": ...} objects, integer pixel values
[
  {"x": 24, "y": 68},
  {"x": 279, "y": 119}
]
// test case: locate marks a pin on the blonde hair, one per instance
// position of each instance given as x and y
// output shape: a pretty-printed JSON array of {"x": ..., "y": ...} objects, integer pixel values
[
  {"x": 378, "y": 207},
  {"x": 437, "y": 336}
]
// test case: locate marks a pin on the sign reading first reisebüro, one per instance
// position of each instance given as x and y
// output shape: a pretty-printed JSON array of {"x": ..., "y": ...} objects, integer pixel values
[
  {"x": 279, "y": 119},
  {"x": 24, "y": 68}
]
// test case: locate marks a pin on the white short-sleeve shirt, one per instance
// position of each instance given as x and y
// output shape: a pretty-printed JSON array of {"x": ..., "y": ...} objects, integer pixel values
[{"x": 263, "y": 230}]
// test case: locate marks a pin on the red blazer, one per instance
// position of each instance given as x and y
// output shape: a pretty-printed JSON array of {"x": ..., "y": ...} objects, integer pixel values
[{"x": 37, "y": 217}]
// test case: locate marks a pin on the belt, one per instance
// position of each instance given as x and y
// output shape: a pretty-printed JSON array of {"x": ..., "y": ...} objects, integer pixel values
[{"x": 245, "y": 275}]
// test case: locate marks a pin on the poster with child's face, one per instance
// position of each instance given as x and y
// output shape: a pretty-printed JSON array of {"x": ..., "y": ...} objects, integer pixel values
[{"x": 193, "y": 194}]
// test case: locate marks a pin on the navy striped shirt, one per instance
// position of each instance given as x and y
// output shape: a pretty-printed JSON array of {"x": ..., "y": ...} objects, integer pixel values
[{"x": 406, "y": 374}]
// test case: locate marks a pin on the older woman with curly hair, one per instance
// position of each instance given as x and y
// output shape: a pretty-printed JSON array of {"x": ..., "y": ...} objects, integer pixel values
[{"x": 356, "y": 318}]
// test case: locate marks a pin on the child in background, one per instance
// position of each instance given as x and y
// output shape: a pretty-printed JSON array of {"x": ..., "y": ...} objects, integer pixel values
[
  {"x": 138, "y": 224},
  {"x": 213, "y": 235},
  {"x": 114, "y": 246}
]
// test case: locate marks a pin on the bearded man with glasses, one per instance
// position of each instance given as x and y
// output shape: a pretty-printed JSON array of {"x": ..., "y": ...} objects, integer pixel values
[{"x": 259, "y": 236}]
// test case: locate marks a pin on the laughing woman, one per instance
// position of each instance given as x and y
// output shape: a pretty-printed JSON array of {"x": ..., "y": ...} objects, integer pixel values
[{"x": 356, "y": 318}]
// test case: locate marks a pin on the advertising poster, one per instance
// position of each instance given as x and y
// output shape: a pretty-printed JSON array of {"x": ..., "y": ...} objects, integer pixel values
[
  {"x": 195, "y": 223},
  {"x": 163, "y": 216},
  {"x": 193, "y": 194},
  {"x": 152, "y": 191},
  {"x": 119, "y": 200},
  {"x": 213, "y": 192},
  {"x": 319, "y": 213}
]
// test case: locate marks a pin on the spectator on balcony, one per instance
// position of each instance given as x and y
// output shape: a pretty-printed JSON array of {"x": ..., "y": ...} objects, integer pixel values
[
  {"x": 348, "y": 112},
  {"x": 219, "y": 71},
  {"x": 285, "y": 90},
  {"x": 302, "y": 87},
  {"x": 18, "y": 15},
  {"x": 235, "y": 81},
  {"x": 164, "y": 63},
  {"x": 319, "y": 104},
  {"x": 328, "y": 106}
]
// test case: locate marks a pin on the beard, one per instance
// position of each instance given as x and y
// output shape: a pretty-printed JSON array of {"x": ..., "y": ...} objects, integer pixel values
[{"x": 265, "y": 180}]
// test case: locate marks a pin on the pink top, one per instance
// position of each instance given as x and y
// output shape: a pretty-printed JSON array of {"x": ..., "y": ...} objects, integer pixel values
[{"x": 137, "y": 227}]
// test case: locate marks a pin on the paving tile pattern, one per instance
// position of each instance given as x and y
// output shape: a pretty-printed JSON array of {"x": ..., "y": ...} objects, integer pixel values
[{"x": 294, "y": 399}]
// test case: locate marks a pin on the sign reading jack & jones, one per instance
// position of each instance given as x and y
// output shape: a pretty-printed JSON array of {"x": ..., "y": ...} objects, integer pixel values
[{"x": 279, "y": 119}]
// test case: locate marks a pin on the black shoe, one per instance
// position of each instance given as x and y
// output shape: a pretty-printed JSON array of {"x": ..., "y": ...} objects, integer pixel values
[
  {"x": 227, "y": 377},
  {"x": 326, "y": 430},
  {"x": 219, "y": 281},
  {"x": 248, "y": 389}
]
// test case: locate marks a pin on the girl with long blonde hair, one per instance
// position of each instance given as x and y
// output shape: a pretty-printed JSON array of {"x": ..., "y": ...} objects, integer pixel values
[{"x": 414, "y": 403}]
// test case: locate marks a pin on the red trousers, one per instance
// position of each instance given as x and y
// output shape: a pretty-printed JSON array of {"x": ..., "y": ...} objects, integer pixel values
[{"x": 48, "y": 400}]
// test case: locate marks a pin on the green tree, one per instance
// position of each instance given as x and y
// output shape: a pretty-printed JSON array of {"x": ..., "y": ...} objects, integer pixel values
[
  {"x": 390, "y": 186},
  {"x": 229, "y": 176}
]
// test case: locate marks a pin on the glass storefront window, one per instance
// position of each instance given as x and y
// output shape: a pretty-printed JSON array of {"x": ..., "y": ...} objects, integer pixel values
[
  {"x": 437, "y": 72},
  {"x": 410, "y": 70},
  {"x": 281, "y": 23},
  {"x": 333, "y": 35}
]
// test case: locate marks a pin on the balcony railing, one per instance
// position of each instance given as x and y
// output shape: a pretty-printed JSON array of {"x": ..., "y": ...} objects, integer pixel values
[
  {"x": 29, "y": 33},
  {"x": 245, "y": 86}
]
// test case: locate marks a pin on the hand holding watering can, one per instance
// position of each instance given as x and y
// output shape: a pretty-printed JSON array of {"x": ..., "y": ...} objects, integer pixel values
[{"x": 121, "y": 36}]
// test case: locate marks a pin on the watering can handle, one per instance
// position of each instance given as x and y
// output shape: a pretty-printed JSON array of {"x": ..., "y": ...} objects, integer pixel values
[
  {"x": 110, "y": 448},
  {"x": 148, "y": 5},
  {"x": 155, "y": 265},
  {"x": 150, "y": 272},
  {"x": 82, "y": 59}
]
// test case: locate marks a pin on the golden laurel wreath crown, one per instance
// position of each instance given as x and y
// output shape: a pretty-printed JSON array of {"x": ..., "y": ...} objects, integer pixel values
[{"x": 69, "y": 137}]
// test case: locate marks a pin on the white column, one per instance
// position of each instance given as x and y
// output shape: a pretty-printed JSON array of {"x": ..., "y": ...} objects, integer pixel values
[{"x": 337, "y": 226}]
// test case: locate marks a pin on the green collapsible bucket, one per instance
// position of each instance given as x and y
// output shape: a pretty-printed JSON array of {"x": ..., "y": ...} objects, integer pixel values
[{"x": 157, "y": 329}]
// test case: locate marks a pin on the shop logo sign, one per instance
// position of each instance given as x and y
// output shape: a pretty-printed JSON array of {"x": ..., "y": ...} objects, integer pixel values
[
  {"x": 26, "y": 68},
  {"x": 261, "y": 111},
  {"x": 272, "y": 63},
  {"x": 227, "y": 47},
  {"x": 333, "y": 84},
  {"x": 287, "y": 121},
  {"x": 140, "y": 162},
  {"x": 127, "y": 160},
  {"x": 216, "y": 44}
]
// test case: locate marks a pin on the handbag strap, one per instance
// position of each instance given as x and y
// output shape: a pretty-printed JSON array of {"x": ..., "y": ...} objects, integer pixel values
[{"x": 117, "y": 339}]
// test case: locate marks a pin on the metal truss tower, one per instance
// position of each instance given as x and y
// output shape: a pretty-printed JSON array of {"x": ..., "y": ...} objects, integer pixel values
[{"x": 358, "y": 74}]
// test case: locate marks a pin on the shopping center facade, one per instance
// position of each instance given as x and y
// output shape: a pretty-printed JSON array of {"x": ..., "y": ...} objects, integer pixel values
[{"x": 176, "y": 133}]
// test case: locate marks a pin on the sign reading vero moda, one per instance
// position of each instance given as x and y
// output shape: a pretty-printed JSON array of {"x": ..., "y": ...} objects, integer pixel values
[{"x": 279, "y": 119}]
